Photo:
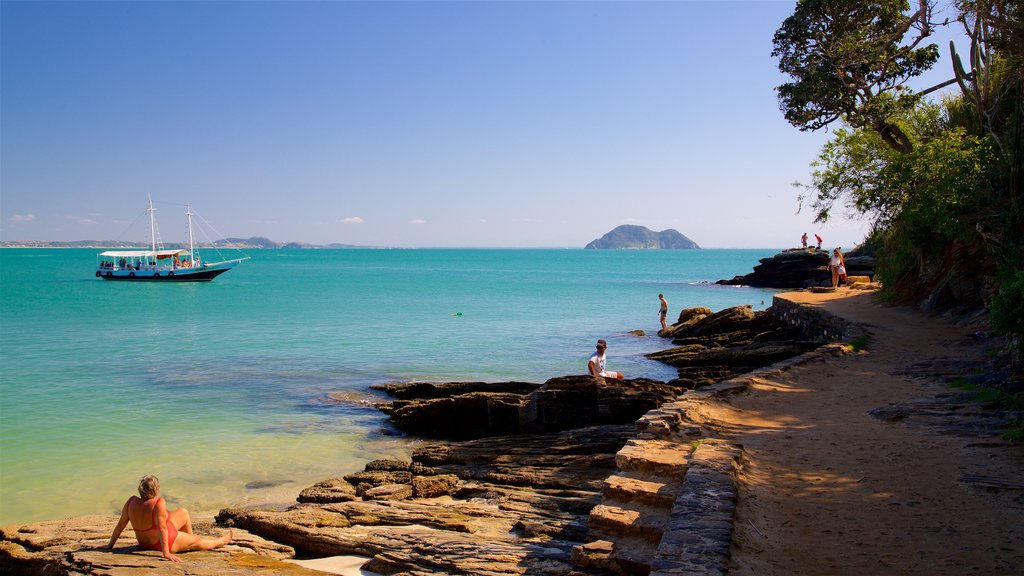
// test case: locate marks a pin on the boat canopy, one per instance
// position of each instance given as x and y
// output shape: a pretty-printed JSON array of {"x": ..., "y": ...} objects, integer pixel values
[{"x": 160, "y": 254}]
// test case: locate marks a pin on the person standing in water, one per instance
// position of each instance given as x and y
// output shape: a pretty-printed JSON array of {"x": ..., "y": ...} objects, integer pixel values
[
  {"x": 663, "y": 313},
  {"x": 165, "y": 532},
  {"x": 596, "y": 365}
]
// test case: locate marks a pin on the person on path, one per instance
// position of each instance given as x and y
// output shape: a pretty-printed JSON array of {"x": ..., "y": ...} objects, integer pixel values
[
  {"x": 663, "y": 313},
  {"x": 596, "y": 365},
  {"x": 156, "y": 529},
  {"x": 803, "y": 241},
  {"x": 838, "y": 267},
  {"x": 819, "y": 241}
]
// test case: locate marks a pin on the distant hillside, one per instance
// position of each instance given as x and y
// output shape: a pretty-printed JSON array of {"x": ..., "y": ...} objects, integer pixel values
[{"x": 640, "y": 238}]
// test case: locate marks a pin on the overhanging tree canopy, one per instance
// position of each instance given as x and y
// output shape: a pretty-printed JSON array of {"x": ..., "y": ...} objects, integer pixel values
[{"x": 849, "y": 60}]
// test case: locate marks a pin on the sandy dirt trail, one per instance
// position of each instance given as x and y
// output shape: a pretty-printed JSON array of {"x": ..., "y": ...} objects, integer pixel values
[{"x": 827, "y": 488}]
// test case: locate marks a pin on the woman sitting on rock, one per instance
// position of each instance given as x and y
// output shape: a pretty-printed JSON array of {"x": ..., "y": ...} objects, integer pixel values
[{"x": 156, "y": 529}]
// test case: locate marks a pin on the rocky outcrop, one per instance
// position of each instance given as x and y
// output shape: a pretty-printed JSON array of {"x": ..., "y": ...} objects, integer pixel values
[
  {"x": 638, "y": 237},
  {"x": 801, "y": 268},
  {"x": 472, "y": 410},
  {"x": 498, "y": 505},
  {"x": 711, "y": 347}
]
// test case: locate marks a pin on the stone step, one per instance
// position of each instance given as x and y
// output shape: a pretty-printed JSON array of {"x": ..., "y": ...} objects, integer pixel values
[
  {"x": 641, "y": 521},
  {"x": 628, "y": 555},
  {"x": 664, "y": 458},
  {"x": 596, "y": 554},
  {"x": 633, "y": 487}
]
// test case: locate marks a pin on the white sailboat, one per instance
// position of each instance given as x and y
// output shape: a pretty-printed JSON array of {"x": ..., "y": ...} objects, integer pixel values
[{"x": 153, "y": 265}]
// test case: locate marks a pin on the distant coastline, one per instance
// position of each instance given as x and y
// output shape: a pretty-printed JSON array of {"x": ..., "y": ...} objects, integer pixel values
[{"x": 255, "y": 242}]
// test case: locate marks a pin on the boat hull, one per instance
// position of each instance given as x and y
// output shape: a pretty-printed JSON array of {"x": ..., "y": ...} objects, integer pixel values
[{"x": 200, "y": 275}]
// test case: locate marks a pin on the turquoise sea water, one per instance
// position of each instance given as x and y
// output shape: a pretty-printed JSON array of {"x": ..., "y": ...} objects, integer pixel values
[{"x": 220, "y": 388}]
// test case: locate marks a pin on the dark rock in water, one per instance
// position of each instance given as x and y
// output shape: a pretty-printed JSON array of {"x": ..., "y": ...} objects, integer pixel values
[
  {"x": 258, "y": 484},
  {"x": 637, "y": 237},
  {"x": 559, "y": 404},
  {"x": 715, "y": 347},
  {"x": 464, "y": 416},
  {"x": 574, "y": 401},
  {"x": 421, "y": 390},
  {"x": 800, "y": 268},
  {"x": 687, "y": 317}
]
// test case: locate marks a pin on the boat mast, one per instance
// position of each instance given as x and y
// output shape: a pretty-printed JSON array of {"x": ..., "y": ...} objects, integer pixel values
[
  {"x": 152, "y": 225},
  {"x": 188, "y": 215}
]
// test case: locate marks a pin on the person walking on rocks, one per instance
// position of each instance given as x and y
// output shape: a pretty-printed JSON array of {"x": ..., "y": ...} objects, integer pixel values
[
  {"x": 663, "y": 313},
  {"x": 818, "y": 238},
  {"x": 596, "y": 365},
  {"x": 165, "y": 532},
  {"x": 803, "y": 241}
]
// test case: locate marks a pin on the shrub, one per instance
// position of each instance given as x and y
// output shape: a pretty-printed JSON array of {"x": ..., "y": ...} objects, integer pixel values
[{"x": 1006, "y": 313}]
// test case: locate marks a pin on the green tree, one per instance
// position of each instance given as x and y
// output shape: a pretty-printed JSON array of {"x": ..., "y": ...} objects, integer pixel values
[
  {"x": 929, "y": 188},
  {"x": 849, "y": 60}
]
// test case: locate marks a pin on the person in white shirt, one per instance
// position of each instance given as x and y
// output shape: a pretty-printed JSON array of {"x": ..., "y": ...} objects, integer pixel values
[
  {"x": 838, "y": 266},
  {"x": 596, "y": 365}
]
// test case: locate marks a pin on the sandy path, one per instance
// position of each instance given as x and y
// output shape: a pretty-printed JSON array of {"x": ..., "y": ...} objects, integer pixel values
[{"x": 829, "y": 489}]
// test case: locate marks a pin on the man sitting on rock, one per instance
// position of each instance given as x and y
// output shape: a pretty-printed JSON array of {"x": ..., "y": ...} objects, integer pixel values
[{"x": 596, "y": 365}]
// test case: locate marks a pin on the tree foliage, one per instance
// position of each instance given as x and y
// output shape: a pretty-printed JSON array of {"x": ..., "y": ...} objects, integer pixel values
[
  {"x": 941, "y": 181},
  {"x": 927, "y": 189},
  {"x": 849, "y": 60}
]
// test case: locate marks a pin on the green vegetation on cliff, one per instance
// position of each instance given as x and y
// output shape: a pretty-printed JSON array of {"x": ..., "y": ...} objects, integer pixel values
[{"x": 941, "y": 180}]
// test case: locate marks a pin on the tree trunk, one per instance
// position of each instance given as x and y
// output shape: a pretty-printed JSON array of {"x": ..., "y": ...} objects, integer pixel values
[{"x": 894, "y": 136}]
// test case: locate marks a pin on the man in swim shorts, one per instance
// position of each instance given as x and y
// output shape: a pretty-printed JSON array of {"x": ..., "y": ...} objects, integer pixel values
[
  {"x": 663, "y": 312},
  {"x": 596, "y": 365}
]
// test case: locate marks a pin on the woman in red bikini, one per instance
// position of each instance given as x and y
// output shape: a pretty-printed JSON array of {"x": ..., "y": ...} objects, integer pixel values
[{"x": 156, "y": 529}]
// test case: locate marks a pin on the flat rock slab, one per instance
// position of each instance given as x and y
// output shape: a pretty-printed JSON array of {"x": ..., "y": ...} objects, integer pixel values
[{"x": 73, "y": 546}]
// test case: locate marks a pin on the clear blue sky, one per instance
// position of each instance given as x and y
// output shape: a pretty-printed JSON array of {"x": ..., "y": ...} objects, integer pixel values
[{"x": 491, "y": 124}]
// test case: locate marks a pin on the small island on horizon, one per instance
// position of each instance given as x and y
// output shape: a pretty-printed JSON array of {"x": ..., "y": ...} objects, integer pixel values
[
  {"x": 632, "y": 237},
  {"x": 624, "y": 237}
]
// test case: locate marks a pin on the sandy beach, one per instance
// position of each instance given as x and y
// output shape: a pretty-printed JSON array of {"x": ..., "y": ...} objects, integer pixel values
[{"x": 828, "y": 488}]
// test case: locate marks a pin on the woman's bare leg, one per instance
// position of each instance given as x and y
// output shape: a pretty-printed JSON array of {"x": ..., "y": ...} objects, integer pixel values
[
  {"x": 182, "y": 520},
  {"x": 185, "y": 542}
]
